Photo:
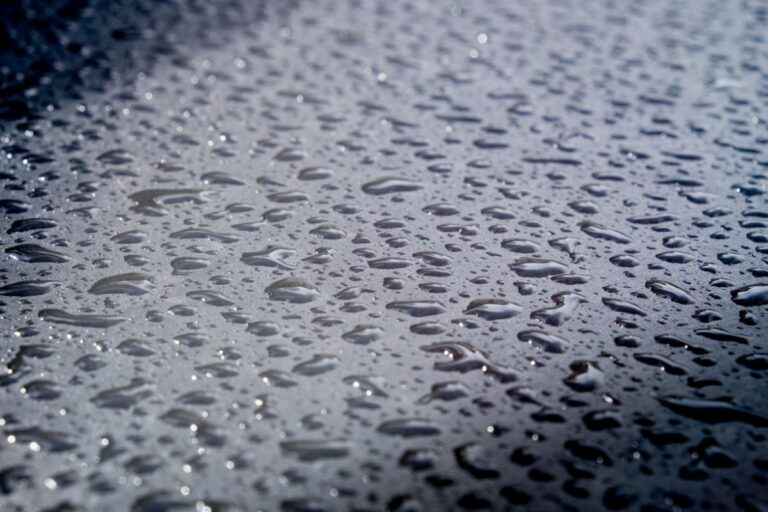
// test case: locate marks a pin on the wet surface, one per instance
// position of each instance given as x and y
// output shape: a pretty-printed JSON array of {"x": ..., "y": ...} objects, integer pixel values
[{"x": 405, "y": 256}]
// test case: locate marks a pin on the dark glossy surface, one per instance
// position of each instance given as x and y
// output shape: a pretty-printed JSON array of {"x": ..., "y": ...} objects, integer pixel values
[{"x": 384, "y": 256}]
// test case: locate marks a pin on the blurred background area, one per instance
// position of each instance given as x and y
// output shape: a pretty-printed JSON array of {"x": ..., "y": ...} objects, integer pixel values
[{"x": 55, "y": 50}]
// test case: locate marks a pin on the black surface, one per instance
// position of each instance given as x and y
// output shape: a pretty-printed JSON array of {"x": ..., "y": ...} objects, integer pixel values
[{"x": 384, "y": 256}]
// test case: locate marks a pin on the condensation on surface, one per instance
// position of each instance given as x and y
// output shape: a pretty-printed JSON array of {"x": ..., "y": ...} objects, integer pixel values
[{"x": 384, "y": 256}]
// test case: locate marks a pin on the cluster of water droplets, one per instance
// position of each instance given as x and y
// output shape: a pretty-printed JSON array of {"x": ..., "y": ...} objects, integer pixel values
[{"x": 398, "y": 256}]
